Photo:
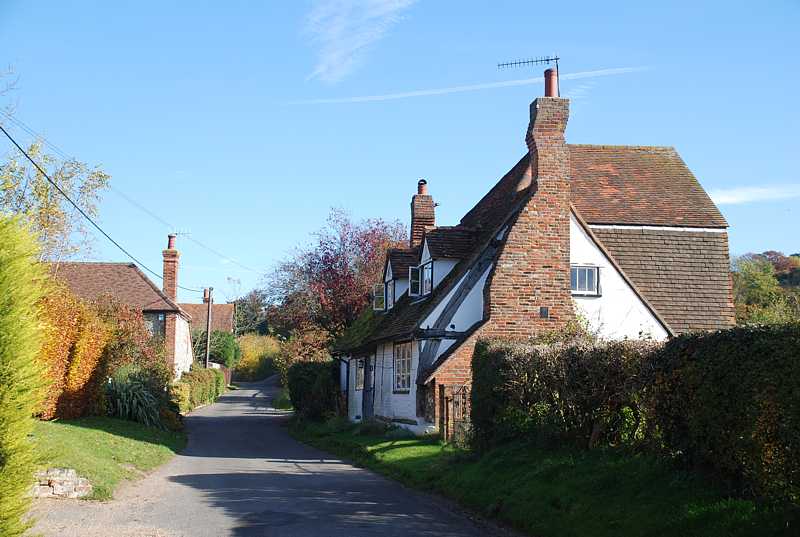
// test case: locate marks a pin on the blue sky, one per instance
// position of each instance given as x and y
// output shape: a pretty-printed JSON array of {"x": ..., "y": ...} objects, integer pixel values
[{"x": 236, "y": 121}]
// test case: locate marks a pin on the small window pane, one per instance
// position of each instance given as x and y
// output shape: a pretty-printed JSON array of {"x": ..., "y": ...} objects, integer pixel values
[
  {"x": 378, "y": 299},
  {"x": 581, "y": 279},
  {"x": 389, "y": 295},
  {"x": 427, "y": 278},
  {"x": 359, "y": 374},
  {"x": 573, "y": 278},
  {"x": 413, "y": 281},
  {"x": 590, "y": 280}
]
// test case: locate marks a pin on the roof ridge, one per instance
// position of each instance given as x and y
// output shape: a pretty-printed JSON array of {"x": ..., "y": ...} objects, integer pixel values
[
  {"x": 623, "y": 146},
  {"x": 160, "y": 292},
  {"x": 120, "y": 263}
]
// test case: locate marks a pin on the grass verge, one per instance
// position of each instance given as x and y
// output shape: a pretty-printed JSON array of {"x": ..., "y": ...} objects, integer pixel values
[
  {"x": 559, "y": 493},
  {"x": 105, "y": 450}
]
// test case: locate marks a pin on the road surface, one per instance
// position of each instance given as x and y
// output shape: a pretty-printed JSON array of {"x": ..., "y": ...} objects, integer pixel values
[{"x": 243, "y": 475}]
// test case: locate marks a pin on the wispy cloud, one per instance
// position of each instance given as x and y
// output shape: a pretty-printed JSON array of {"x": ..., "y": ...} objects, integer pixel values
[
  {"x": 344, "y": 29},
  {"x": 471, "y": 87},
  {"x": 751, "y": 194}
]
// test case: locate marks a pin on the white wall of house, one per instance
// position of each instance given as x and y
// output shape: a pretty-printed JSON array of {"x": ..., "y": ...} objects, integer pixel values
[
  {"x": 618, "y": 312},
  {"x": 400, "y": 287},
  {"x": 183, "y": 346},
  {"x": 441, "y": 266},
  {"x": 388, "y": 403}
]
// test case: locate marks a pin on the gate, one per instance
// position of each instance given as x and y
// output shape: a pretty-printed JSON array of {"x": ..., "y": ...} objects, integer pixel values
[{"x": 455, "y": 422}]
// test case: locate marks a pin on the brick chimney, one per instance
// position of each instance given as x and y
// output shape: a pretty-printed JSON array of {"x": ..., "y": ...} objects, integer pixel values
[
  {"x": 422, "y": 213},
  {"x": 170, "y": 273},
  {"x": 206, "y": 296},
  {"x": 530, "y": 289}
]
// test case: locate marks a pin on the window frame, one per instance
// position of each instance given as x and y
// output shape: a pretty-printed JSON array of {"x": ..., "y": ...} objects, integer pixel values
[
  {"x": 577, "y": 291},
  {"x": 388, "y": 295},
  {"x": 156, "y": 323},
  {"x": 402, "y": 352},
  {"x": 379, "y": 295}
]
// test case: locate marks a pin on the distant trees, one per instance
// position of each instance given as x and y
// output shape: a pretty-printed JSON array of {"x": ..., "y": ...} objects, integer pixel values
[{"x": 765, "y": 288}]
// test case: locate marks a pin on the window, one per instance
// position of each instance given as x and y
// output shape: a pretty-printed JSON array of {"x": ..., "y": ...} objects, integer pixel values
[
  {"x": 420, "y": 279},
  {"x": 156, "y": 324},
  {"x": 378, "y": 297},
  {"x": 359, "y": 374},
  {"x": 389, "y": 294},
  {"x": 584, "y": 281},
  {"x": 402, "y": 367}
]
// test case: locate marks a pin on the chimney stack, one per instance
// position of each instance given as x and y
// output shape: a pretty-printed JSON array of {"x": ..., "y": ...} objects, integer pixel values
[
  {"x": 170, "y": 271},
  {"x": 423, "y": 215},
  {"x": 551, "y": 83},
  {"x": 206, "y": 296}
]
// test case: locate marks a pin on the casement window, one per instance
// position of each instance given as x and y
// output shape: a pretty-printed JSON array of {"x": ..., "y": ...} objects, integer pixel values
[
  {"x": 585, "y": 280},
  {"x": 359, "y": 374},
  {"x": 420, "y": 279},
  {"x": 389, "y": 294},
  {"x": 156, "y": 324},
  {"x": 402, "y": 367},
  {"x": 378, "y": 297}
]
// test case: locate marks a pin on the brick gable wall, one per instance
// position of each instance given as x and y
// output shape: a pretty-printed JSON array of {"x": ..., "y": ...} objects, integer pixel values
[{"x": 532, "y": 267}]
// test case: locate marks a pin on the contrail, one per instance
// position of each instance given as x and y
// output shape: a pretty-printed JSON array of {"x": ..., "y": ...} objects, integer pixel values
[{"x": 472, "y": 87}]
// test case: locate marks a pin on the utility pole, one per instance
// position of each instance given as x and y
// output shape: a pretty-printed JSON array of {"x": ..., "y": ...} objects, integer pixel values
[{"x": 208, "y": 323}]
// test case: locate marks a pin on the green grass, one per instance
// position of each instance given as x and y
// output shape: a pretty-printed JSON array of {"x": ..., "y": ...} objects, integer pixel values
[
  {"x": 560, "y": 493},
  {"x": 282, "y": 401},
  {"x": 105, "y": 450}
]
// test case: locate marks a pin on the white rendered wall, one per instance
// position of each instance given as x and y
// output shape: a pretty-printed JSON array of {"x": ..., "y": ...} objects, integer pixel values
[
  {"x": 387, "y": 403},
  {"x": 619, "y": 312},
  {"x": 441, "y": 268},
  {"x": 183, "y": 346}
]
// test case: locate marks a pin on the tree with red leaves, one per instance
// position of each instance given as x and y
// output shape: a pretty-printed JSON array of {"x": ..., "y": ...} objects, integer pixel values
[{"x": 328, "y": 283}]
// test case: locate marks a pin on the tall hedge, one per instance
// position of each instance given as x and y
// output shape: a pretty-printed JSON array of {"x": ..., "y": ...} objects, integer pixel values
[
  {"x": 726, "y": 401},
  {"x": 730, "y": 401},
  {"x": 21, "y": 376},
  {"x": 314, "y": 388}
]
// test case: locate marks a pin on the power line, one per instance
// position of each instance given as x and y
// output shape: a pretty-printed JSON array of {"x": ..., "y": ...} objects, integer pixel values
[
  {"x": 124, "y": 196},
  {"x": 86, "y": 216}
]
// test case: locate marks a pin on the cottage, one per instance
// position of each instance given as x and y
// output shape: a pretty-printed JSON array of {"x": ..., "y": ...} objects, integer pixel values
[
  {"x": 223, "y": 316},
  {"x": 126, "y": 283},
  {"x": 623, "y": 237}
]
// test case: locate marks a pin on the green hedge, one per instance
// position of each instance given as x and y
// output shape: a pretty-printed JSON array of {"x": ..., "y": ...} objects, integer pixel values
[
  {"x": 726, "y": 401},
  {"x": 582, "y": 392},
  {"x": 21, "y": 373},
  {"x": 314, "y": 389},
  {"x": 197, "y": 387},
  {"x": 730, "y": 401}
]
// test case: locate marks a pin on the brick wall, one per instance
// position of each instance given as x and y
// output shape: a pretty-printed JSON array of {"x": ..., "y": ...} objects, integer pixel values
[
  {"x": 532, "y": 267},
  {"x": 422, "y": 217}
]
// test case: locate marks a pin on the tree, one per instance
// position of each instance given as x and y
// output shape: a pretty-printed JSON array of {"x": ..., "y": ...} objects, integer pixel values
[
  {"x": 251, "y": 313},
  {"x": 24, "y": 191},
  {"x": 21, "y": 374},
  {"x": 328, "y": 283},
  {"x": 224, "y": 347},
  {"x": 758, "y": 296}
]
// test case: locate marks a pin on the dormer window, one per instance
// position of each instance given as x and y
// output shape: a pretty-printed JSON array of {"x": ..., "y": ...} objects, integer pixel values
[
  {"x": 584, "y": 280},
  {"x": 420, "y": 279},
  {"x": 389, "y": 294}
]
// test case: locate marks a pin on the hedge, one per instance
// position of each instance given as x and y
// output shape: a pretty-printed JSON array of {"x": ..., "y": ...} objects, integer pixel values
[
  {"x": 21, "y": 374},
  {"x": 314, "y": 388},
  {"x": 727, "y": 401},
  {"x": 197, "y": 387}
]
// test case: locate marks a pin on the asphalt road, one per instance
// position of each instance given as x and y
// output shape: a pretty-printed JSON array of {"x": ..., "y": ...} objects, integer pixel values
[{"x": 243, "y": 475}]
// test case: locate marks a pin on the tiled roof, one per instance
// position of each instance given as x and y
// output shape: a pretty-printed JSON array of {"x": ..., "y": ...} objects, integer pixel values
[
  {"x": 402, "y": 258},
  {"x": 122, "y": 281},
  {"x": 222, "y": 316},
  {"x": 684, "y": 274},
  {"x": 638, "y": 185},
  {"x": 455, "y": 242}
]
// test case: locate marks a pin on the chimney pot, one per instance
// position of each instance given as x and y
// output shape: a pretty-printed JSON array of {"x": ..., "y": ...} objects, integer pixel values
[
  {"x": 422, "y": 187},
  {"x": 550, "y": 83},
  {"x": 171, "y": 241}
]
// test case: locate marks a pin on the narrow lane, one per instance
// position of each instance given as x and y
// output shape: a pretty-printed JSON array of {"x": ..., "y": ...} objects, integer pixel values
[{"x": 243, "y": 475}]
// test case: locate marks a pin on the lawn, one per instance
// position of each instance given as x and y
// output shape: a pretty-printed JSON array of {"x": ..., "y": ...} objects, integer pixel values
[
  {"x": 560, "y": 492},
  {"x": 105, "y": 450}
]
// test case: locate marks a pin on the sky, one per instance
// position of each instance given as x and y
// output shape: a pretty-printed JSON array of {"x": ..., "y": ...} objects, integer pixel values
[{"x": 240, "y": 124}]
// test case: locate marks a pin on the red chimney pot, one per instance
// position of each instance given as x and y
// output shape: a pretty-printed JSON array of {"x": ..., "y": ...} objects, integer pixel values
[
  {"x": 550, "y": 83},
  {"x": 422, "y": 187},
  {"x": 171, "y": 241}
]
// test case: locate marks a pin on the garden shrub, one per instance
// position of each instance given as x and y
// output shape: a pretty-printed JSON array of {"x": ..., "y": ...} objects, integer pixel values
[
  {"x": 22, "y": 375},
  {"x": 197, "y": 387},
  {"x": 314, "y": 389},
  {"x": 129, "y": 397},
  {"x": 224, "y": 348},
  {"x": 258, "y": 355},
  {"x": 730, "y": 402}
]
